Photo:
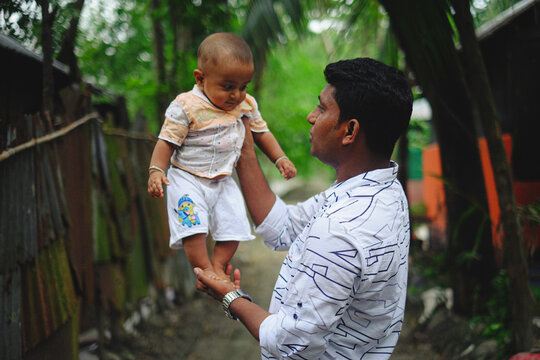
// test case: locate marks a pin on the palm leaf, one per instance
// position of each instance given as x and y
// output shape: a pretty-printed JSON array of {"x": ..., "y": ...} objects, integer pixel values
[{"x": 264, "y": 23}]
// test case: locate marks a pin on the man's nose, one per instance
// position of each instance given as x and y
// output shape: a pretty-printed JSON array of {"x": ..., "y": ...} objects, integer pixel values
[{"x": 311, "y": 118}]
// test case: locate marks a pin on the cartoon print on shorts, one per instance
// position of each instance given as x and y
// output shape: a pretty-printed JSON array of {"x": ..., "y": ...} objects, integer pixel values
[{"x": 186, "y": 214}]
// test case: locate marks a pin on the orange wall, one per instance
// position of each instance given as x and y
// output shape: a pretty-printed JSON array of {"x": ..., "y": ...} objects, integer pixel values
[{"x": 525, "y": 192}]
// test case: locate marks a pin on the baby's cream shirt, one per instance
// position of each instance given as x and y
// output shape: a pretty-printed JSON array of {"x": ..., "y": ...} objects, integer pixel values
[{"x": 208, "y": 140}]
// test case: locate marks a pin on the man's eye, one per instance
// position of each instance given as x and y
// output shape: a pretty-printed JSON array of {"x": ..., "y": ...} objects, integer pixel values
[{"x": 320, "y": 107}]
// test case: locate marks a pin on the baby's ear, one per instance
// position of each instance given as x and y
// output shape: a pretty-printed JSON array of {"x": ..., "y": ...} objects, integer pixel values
[{"x": 199, "y": 76}]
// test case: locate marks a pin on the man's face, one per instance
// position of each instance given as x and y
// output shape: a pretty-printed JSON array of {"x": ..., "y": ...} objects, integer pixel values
[{"x": 325, "y": 133}]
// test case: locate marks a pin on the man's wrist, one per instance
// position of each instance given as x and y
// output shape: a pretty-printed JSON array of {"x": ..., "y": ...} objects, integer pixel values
[{"x": 230, "y": 297}]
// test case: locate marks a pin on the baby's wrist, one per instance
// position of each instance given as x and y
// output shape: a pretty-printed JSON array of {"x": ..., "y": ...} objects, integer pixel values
[
  {"x": 280, "y": 159},
  {"x": 154, "y": 169}
]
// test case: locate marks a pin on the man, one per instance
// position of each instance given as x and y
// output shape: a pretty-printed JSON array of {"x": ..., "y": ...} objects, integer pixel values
[{"x": 342, "y": 287}]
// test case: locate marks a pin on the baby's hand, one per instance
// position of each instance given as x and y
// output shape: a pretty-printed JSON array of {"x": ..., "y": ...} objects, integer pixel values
[
  {"x": 155, "y": 181},
  {"x": 286, "y": 168}
]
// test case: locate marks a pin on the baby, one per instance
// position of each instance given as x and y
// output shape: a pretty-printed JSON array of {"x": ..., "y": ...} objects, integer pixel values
[{"x": 201, "y": 138}]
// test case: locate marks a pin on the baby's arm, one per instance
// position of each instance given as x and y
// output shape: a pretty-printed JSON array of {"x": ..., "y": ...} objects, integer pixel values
[
  {"x": 269, "y": 145},
  {"x": 158, "y": 165}
]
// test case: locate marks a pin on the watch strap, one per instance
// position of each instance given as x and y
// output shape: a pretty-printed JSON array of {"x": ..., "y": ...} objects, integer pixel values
[{"x": 230, "y": 297}]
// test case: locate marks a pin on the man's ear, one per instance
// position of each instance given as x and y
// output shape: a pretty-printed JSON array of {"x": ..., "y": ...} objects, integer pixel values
[
  {"x": 352, "y": 129},
  {"x": 199, "y": 77}
]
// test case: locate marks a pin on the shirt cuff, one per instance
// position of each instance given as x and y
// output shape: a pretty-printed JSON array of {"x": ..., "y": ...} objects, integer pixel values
[
  {"x": 272, "y": 223},
  {"x": 267, "y": 338},
  {"x": 169, "y": 140}
]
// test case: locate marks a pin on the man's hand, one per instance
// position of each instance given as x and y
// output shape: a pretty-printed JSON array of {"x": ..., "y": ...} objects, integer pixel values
[
  {"x": 156, "y": 179},
  {"x": 250, "y": 314},
  {"x": 286, "y": 168},
  {"x": 216, "y": 287}
]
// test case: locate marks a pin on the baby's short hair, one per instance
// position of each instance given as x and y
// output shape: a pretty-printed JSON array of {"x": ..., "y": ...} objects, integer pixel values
[{"x": 223, "y": 44}]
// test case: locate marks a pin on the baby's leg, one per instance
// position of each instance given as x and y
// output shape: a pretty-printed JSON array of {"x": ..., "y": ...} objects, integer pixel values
[
  {"x": 223, "y": 253},
  {"x": 196, "y": 252}
]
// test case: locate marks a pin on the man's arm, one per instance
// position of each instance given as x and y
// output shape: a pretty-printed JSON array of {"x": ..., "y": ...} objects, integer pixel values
[
  {"x": 259, "y": 197},
  {"x": 250, "y": 314}
]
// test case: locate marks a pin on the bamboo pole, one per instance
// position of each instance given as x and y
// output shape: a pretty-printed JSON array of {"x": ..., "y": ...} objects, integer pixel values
[
  {"x": 46, "y": 138},
  {"x": 130, "y": 135}
]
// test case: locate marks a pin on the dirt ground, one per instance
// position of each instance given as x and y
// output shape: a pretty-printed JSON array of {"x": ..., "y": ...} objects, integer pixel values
[{"x": 198, "y": 330}]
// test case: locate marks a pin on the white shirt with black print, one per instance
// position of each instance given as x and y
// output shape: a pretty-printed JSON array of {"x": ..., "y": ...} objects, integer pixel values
[{"x": 341, "y": 290}]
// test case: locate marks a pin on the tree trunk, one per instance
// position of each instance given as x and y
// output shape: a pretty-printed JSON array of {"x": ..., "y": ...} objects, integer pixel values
[
  {"x": 159, "y": 58},
  {"x": 435, "y": 63},
  {"x": 47, "y": 20},
  {"x": 513, "y": 245},
  {"x": 182, "y": 44},
  {"x": 391, "y": 58},
  {"x": 67, "y": 53}
]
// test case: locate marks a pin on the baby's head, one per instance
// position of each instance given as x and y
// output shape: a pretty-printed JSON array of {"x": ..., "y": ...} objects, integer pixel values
[{"x": 224, "y": 69}]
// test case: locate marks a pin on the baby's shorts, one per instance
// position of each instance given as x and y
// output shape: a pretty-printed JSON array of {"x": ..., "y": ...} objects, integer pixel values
[{"x": 197, "y": 205}]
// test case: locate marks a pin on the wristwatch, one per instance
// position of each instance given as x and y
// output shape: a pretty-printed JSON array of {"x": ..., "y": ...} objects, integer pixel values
[{"x": 230, "y": 297}]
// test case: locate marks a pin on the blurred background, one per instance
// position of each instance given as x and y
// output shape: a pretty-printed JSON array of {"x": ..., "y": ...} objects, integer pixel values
[{"x": 84, "y": 256}]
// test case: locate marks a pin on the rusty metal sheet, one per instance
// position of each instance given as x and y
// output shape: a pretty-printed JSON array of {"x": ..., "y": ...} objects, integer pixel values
[
  {"x": 10, "y": 316},
  {"x": 17, "y": 211},
  {"x": 111, "y": 282},
  {"x": 48, "y": 294},
  {"x": 77, "y": 178}
]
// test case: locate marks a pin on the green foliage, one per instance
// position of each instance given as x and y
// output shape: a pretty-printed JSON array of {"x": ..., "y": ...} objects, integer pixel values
[
  {"x": 530, "y": 213},
  {"x": 435, "y": 269},
  {"x": 419, "y": 134},
  {"x": 497, "y": 317},
  {"x": 293, "y": 79},
  {"x": 267, "y": 22},
  {"x": 21, "y": 19},
  {"x": 418, "y": 209},
  {"x": 535, "y": 288},
  {"x": 486, "y": 10},
  {"x": 116, "y": 55},
  {"x": 116, "y": 48}
]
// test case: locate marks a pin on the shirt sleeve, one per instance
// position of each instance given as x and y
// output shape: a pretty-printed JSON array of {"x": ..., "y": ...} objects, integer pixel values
[
  {"x": 326, "y": 277},
  {"x": 256, "y": 121},
  {"x": 176, "y": 124},
  {"x": 285, "y": 222}
]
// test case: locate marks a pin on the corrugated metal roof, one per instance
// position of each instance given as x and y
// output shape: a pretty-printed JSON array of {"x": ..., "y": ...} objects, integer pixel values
[
  {"x": 12, "y": 45},
  {"x": 487, "y": 29}
]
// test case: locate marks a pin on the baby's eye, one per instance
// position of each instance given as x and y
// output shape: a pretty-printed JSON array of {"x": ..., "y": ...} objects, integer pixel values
[
  {"x": 243, "y": 87},
  {"x": 228, "y": 87}
]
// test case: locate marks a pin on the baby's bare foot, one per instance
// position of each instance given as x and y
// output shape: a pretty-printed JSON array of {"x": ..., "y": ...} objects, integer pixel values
[{"x": 220, "y": 275}]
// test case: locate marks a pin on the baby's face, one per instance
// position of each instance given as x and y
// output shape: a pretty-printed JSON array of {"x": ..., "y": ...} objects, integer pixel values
[{"x": 225, "y": 84}]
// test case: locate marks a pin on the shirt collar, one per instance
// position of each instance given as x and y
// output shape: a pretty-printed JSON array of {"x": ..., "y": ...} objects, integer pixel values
[
  {"x": 198, "y": 92},
  {"x": 367, "y": 179}
]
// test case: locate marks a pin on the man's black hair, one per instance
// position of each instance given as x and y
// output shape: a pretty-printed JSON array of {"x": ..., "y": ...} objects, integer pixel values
[{"x": 375, "y": 94}]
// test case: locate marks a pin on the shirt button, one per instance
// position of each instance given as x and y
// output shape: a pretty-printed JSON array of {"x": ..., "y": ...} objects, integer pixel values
[
  {"x": 299, "y": 304},
  {"x": 295, "y": 316}
]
